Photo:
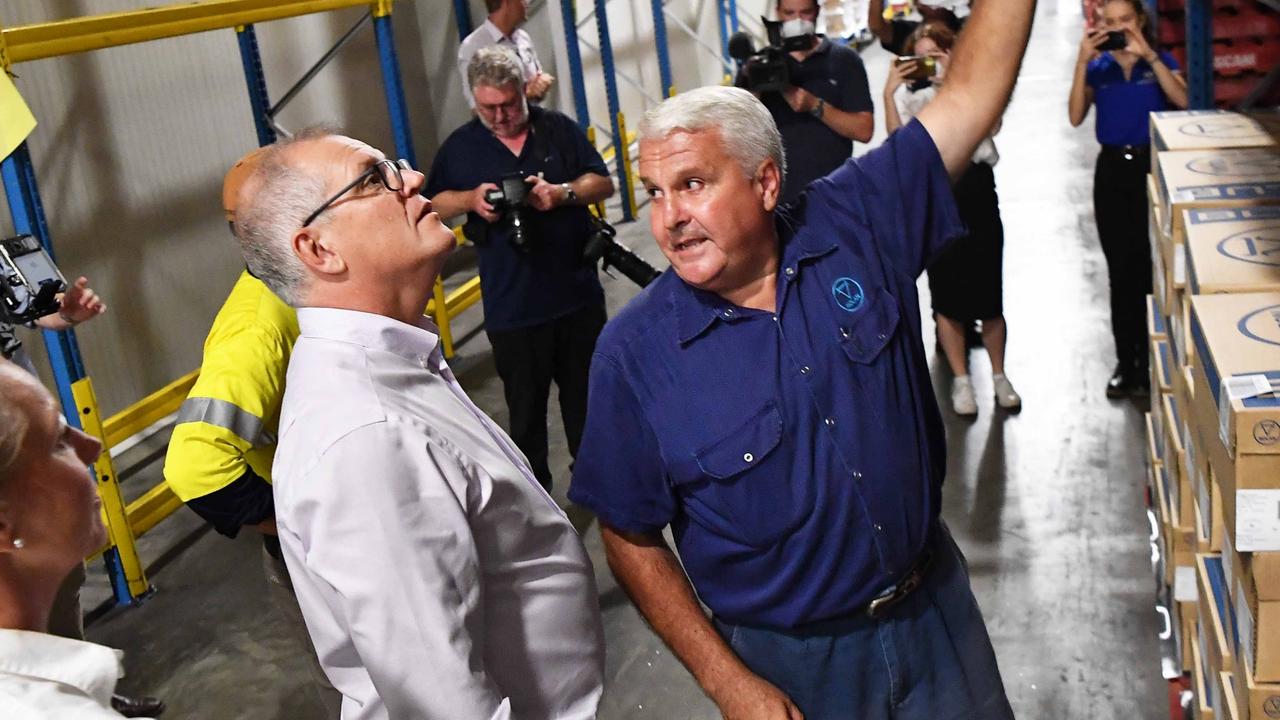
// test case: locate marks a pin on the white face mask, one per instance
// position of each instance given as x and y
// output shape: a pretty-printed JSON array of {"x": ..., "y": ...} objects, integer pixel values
[{"x": 797, "y": 27}]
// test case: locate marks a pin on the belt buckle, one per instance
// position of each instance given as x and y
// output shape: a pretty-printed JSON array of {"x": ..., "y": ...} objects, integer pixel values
[{"x": 882, "y": 603}]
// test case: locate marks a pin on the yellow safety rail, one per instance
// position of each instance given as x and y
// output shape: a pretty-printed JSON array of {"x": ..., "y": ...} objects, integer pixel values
[
  {"x": 95, "y": 32},
  {"x": 444, "y": 308},
  {"x": 119, "y": 530},
  {"x": 626, "y": 166}
]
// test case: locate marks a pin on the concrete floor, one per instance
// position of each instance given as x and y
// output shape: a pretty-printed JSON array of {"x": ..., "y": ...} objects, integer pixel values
[{"x": 1046, "y": 504}]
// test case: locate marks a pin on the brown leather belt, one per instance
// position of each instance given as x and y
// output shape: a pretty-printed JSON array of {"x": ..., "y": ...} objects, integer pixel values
[{"x": 879, "y": 607}]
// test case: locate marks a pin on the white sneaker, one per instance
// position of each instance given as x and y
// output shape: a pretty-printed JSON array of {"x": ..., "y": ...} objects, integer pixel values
[
  {"x": 1006, "y": 396},
  {"x": 962, "y": 400}
]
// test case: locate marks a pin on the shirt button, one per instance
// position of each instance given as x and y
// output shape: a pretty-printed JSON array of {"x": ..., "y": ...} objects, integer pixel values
[
  {"x": 728, "y": 313},
  {"x": 844, "y": 333},
  {"x": 831, "y": 422},
  {"x": 804, "y": 369},
  {"x": 791, "y": 272},
  {"x": 881, "y": 336},
  {"x": 748, "y": 457},
  {"x": 879, "y": 528},
  {"x": 857, "y": 475}
]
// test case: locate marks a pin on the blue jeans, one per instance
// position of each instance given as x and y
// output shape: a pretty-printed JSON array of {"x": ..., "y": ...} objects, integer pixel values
[{"x": 929, "y": 658}]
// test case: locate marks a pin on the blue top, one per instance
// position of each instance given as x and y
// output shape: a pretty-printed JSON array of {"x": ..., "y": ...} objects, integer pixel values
[
  {"x": 550, "y": 279},
  {"x": 1124, "y": 105},
  {"x": 835, "y": 74},
  {"x": 798, "y": 457}
]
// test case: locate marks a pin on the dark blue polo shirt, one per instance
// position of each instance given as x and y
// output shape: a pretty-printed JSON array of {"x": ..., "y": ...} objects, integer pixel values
[
  {"x": 550, "y": 280},
  {"x": 798, "y": 457},
  {"x": 1123, "y": 105},
  {"x": 834, "y": 73}
]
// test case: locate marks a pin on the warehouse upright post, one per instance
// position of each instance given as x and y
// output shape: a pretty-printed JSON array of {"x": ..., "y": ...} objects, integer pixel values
[
  {"x": 256, "y": 82},
  {"x": 569, "y": 14},
  {"x": 1200, "y": 54},
  {"x": 660, "y": 45},
  {"x": 462, "y": 14},
  {"x": 611, "y": 95},
  {"x": 128, "y": 582}
]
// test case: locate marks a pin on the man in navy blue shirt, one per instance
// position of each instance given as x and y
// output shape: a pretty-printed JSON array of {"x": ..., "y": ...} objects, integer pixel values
[
  {"x": 827, "y": 107},
  {"x": 768, "y": 399},
  {"x": 543, "y": 304}
]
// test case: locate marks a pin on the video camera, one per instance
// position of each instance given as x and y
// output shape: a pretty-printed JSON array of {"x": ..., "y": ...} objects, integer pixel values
[
  {"x": 29, "y": 281},
  {"x": 768, "y": 69},
  {"x": 508, "y": 201},
  {"x": 602, "y": 246}
]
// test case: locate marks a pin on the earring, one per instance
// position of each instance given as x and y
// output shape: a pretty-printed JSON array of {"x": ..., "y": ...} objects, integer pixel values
[{"x": 19, "y": 543}]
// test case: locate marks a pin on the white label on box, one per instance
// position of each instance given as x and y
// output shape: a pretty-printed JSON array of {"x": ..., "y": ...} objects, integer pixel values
[
  {"x": 1244, "y": 621},
  {"x": 1175, "y": 494},
  {"x": 1228, "y": 567},
  {"x": 1184, "y": 584},
  {"x": 1158, "y": 276},
  {"x": 1257, "y": 520},
  {"x": 1177, "y": 339},
  {"x": 1246, "y": 386},
  {"x": 1179, "y": 265}
]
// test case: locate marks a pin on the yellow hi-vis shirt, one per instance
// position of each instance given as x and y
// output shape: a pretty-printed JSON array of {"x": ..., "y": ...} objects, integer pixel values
[{"x": 230, "y": 418}]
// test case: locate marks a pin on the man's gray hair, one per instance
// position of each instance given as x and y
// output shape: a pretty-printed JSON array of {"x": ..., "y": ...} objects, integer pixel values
[
  {"x": 282, "y": 198},
  {"x": 746, "y": 128},
  {"x": 495, "y": 67}
]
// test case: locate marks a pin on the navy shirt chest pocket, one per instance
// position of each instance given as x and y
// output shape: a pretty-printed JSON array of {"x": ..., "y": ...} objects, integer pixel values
[
  {"x": 738, "y": 484},
  {"x": 865, "y": 334}
]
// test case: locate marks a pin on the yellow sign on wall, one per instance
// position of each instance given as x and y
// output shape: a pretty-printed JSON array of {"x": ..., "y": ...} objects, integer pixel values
[{"x": 16, "y": 120}]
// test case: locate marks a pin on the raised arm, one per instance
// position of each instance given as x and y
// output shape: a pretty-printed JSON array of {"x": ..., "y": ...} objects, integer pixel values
[
  {"x": 980, "y": 78},
  {"x": 1081, "y": 98}
]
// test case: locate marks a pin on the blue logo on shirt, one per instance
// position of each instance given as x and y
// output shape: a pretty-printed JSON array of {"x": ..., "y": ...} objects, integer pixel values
[{"x": 848, "y": 294}]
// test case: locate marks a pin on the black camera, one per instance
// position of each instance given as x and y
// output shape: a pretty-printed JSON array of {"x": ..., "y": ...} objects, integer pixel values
[
  {"x": 602, "y": 247},
  {"x": 1116, "y": 40},
  {"x": 767, "y": 69},
  {"x": 29, "y": 281},
  {"x": 508, "y": 201}
]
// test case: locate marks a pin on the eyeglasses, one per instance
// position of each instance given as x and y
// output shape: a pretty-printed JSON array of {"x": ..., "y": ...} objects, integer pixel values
[{"x": 388, "y": 172}]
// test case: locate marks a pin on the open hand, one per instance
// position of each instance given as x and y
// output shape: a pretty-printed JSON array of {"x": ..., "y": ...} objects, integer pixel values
[
  {"x": 899, "y": 74},
  {"x": 1138, "y": 45},
  {"x": 80, "y": 303},
  {"x": 1089, "y": 45}
]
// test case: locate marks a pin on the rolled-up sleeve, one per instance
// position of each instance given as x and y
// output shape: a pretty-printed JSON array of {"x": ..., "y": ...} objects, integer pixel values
[
  {"x": 383, "y": 543},
  {"x": 618, "y": 473}
]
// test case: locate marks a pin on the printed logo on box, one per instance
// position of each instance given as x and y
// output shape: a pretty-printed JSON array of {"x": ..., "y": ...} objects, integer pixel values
[
  {"x": 1262, "y": 325},
  {"x": 1250, "y": 165},
  {"x": 1259, "y": 247},
  {"x": 1271, "y": 706},
  {"x": 1229, "y": 127},
  {"x": 1266, "y": 432}
]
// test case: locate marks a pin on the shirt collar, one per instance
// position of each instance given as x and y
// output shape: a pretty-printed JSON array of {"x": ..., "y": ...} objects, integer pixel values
[
  {"x": 698, "y": 309},
  {"x": 378, "y": 332},
  {"x": 495, "y": 34},
  {"x": 92, "y": 669}
]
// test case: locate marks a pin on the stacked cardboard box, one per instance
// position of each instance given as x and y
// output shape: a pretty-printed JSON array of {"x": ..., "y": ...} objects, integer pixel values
[{"x": 1214, "y": 429}]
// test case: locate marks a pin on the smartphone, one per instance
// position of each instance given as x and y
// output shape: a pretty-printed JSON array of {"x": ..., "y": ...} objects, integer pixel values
[
  {"x": 1116, "y": 40},
  {"x": 926, "y": 67}
]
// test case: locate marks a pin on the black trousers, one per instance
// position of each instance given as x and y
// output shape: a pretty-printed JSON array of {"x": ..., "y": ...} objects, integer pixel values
[
  {"x": 1120, "y": 208},
  {"x": 528, "y": 359}
]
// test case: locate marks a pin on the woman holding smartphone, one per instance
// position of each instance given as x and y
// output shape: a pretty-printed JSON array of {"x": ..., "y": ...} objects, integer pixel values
[
  {"x": 966, "y": 280},
  {"x": 1118, "y": 71}
]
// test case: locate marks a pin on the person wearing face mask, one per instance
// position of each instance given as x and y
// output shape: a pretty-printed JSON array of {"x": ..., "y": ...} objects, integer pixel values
[
  {"x": 50, "y": 519},
  {"x": 543, "y": 303},
  {"x": 965, "y": 281},
  {"x": 826, "y": 108},
  {"x": 1126, "y": 84}
]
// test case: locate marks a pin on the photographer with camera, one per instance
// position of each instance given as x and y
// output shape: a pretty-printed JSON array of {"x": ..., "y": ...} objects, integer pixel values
[
  {"x": 966, "y": 280},
  {"x": 78, "y": 304},
  {"x": 524, "y": 177},
  {"x": 1118, "y": 70},
  {"x": 825, "y": 103}
]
